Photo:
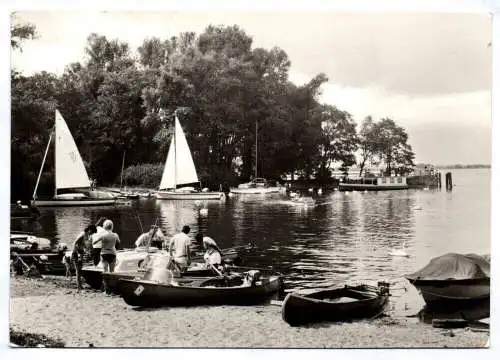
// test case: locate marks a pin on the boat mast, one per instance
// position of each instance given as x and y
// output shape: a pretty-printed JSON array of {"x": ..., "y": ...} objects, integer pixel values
[
  {"x": 175, "y": 150},
  {"x": 43, "y": 163},
  {"x": 256, "y": 152},
  {"x": 121, "y": 177}
]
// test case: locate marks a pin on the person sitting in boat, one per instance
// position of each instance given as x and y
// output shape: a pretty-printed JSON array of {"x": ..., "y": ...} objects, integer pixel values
[
  {"x": 180, "y": 249},
  {"x": 213, "y": 254},
  {"x": 154, "y": 237}
]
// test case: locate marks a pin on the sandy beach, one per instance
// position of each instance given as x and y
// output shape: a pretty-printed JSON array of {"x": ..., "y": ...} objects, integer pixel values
[{"x": 54, "y": 308}]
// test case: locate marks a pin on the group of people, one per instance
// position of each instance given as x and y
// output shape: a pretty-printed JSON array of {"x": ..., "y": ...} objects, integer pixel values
[{"x": 101, "y": 242}]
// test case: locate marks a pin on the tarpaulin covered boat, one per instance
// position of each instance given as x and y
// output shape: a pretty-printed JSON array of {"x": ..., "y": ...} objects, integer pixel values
[
  {"x": 340, "y": 304},
  {"x": 453, "y": 281}
]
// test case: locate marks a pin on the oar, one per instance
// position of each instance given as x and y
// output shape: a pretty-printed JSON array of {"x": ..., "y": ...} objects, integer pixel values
[{"x": 216, "y": 270}]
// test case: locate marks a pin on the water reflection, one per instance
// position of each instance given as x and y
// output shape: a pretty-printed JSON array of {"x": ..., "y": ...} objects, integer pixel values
[{"x": 345, "y": 237}]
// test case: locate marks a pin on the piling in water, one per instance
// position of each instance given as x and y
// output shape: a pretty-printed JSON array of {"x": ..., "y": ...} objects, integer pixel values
[
  {"x": 439, "y": 180},
  {"x": 449, "y": 183}
]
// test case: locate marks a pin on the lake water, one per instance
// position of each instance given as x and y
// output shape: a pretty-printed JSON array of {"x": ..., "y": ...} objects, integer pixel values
[{"x": 345, "y": 238}]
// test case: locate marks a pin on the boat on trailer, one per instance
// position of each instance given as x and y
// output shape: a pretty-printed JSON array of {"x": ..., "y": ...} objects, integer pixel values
[
  {"x": 334, "y": 305},
  {"x": 180, "y": 171},
  {"x": 70, "y": 174}
]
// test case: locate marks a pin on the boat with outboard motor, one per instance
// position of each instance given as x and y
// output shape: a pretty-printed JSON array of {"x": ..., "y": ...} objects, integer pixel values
[
  {"x": 130, "y": 263},
  {"x": 159, "y": 288}
]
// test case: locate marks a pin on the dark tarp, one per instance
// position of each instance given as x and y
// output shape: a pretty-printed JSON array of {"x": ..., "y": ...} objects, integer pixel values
[{"x": 454, "y": 266}]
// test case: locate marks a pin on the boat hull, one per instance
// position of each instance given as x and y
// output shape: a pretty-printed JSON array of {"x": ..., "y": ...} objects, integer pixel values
[
  {"x": 150, "y": 294},
  {"x": 362, "y": 187},
  {"x": 93, "y": 275},
  {"x": 313, "y": 308},
  {"x": 73, "y": 202},
  {"x": 173, "y": 195},
  {"x": 450, "y": 295},
  {"x": 257, "y": 190}
]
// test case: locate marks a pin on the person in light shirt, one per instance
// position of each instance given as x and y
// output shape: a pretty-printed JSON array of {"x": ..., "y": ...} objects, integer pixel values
[
  {"x": 96, "y": 241},
  {"x": 212, "y": 256},
  {"x": 180, "y": 248},
  {"x": 154, "y": 237}
]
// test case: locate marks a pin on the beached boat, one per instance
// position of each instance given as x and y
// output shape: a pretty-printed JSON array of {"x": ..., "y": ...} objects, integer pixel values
[
  {"x": 374, "y": 183},
  {"x": 341, "y": 304},
  {"x": 249, "y": 288},
  {"x": 454, "y": 281},
  {"x": 129, "y": 264},
  {"x": 180, "y": 171},
  {"x": 256, "y": 186},
  {"x": 20, "y": 211},
  {"x": 28, "y": 243},
  {"x": 70, "y": 173}
]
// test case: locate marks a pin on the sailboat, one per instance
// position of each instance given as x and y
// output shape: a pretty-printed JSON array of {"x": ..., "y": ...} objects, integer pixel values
[
  {"x": 256, "y": 185},
  {"x": 180, "y": 170},
  {"x": 70, "y": 172}
]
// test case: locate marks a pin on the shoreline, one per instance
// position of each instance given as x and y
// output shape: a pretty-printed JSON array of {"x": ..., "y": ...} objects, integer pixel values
[{"x": 52, "y": 307}]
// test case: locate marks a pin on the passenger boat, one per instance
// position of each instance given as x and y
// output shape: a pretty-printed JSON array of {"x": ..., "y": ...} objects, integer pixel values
[
  {"x": 70, "y": 173},
  {"x": 340, "y": 304},
  {"x": 129, "y": 264},
  {"x": 249, "y": 288},
  {"x": 374, "y": 183},
  {"x": 454, "y": 281},
  {"x": 180, "y": 171}
]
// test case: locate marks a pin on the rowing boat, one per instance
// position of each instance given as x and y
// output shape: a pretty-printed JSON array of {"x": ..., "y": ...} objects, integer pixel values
[{"x": 339, "y": 304}]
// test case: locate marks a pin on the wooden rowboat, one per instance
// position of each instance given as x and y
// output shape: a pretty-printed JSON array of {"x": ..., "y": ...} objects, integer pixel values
[
  {"x": 341, "y": 304},
  {"x": 232, "y": 290}
]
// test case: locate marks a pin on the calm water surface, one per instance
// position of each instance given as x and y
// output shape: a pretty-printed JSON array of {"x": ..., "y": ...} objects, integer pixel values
[{"x": 345, "y": 238}]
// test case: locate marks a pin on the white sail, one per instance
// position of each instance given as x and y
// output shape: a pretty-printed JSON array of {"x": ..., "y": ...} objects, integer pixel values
[
  {"x": 179, "y": 166},
  {"x": 70, "y": 170}
]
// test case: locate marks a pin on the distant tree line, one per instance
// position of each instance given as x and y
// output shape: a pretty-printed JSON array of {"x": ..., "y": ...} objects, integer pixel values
[
  {"x": 461, "y": 166},
  {"x": 226, "y": 94}
]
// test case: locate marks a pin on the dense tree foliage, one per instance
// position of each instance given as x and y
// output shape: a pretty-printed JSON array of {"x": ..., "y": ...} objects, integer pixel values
[{"x": 229, "y": 98}]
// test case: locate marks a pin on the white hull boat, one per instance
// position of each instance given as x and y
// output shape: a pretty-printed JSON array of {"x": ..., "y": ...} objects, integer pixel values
[
  {"x": 70, "y": 172},
  {"x": 180, "y": 170}
]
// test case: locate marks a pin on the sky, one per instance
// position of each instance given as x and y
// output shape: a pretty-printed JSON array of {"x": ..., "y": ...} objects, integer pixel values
[{"x": 430, "y": 72}]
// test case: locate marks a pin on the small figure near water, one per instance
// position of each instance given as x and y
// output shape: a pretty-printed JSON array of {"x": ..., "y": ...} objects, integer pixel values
[{"x": 78, "y": 252}]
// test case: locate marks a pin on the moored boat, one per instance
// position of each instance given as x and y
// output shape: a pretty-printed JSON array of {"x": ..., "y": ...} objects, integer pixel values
[
  {"x": 256, "y": 186},
  {"x": 246, "y": 289},
  {"x": 454, "y": 281},
  {"x": 339, "y": 304},
  {"x": 180, "y": 171},
  {"x": 374, "y": 183},
  {"x": 70, "y": 173}
]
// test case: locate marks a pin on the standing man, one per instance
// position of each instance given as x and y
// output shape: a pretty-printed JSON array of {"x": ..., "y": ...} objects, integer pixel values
[
  {"x": 78, "y": 252},
  {"x": 110, "y": 241},
  {"x": 96, "y": 241},
  {"x": 179, "y": 248}
]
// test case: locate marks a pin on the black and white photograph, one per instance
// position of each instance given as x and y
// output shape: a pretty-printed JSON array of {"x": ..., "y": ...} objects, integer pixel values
[{"x": 242, "y": 179}]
